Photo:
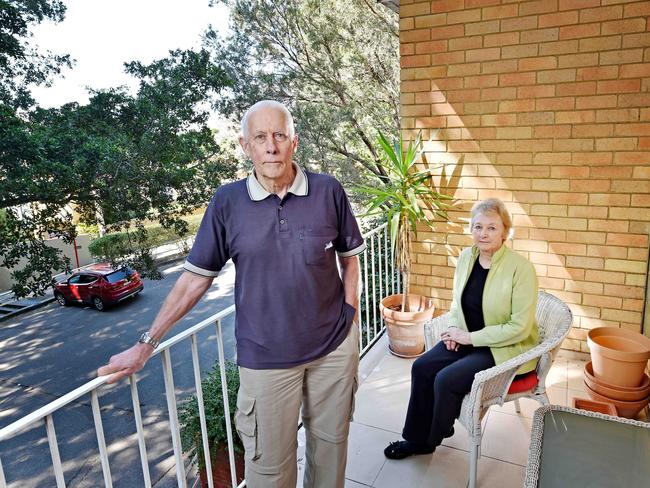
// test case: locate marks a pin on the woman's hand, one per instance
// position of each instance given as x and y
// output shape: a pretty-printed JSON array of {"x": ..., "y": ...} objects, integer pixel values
[
  {"x": 454, "y": 334},
  {"x": 451, "y": 345}
]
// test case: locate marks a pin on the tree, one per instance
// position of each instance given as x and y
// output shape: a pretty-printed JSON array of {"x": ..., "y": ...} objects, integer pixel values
[
  {"x": 334, "y": 62},
  {"x": 20, "y": 63},
  {"x": 126, "y": 158}
]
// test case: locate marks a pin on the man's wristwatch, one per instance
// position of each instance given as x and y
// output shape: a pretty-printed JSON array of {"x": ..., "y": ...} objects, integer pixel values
[{"x": 147, "y": 339}]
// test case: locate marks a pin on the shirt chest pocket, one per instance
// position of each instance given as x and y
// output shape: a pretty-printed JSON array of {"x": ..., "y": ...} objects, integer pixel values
[{"x": 318, "y": 246}]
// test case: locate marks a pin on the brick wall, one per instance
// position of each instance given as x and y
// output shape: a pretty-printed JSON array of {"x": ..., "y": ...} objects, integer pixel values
[{"x": 549, "y": 102}]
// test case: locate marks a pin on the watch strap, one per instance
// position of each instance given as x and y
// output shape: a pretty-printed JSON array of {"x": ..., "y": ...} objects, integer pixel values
[{"x": 147, "y": 339}]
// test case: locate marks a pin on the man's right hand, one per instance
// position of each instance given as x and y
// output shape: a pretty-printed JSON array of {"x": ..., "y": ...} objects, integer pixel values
[{"x": 127, "y": 362}]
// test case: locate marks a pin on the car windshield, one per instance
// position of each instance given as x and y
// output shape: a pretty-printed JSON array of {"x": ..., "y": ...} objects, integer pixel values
[{"x": 118, "y": 275}]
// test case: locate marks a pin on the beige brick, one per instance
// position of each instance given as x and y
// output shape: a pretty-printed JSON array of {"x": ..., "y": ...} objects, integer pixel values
[
  {"x": 505, "y": 66},
  {"x": 609, "y": 199},
  {"x": 588, "y": 212},
  {"x": 499, "y": 12},
  {"x": 636, "y": 40},
  {"x": 414, "y": 110},
  {"x": 641, "y": 200},
  {"x": 616, "y": 144},
  {"x": 556, "y": 103},
  {"x": 553, "y": 131},
  {"x": 605, "y": 276},
  {"x": 435, "y": 20},
  {"x": 621, "y": 56},
  {"x": 634, "y": 292},
  {"x": 576, "y": 117},
  {"x": 625, "y": 266},
  {"x": 598, "y": 101},
  {"x": 628, "y": 213},
  {"x": 550, "y": 283},
  {"x": 548, "y": 259},
  {"x": 618, "y": 115},
  {"x": 540, "y": 35},
  {"x": 414, "y": 10},
  {"x": 637, "y": 9},
  {"x": 568, "y": 297},
  {"x": 586, "y": 262},
  {"x": 482, "y": 81},
  {"x": 531, "y": 145},
  {"x": 568, "y": 273},
  {"x": 599, "y": 44},
  {"x": 529, "y": 221},
  {"x": 552, "y": 158},
  {"x": 549, "y": 210},
  {"x": 519, "y": 24},
  {"x": 623, "y": 26},
  {"x": 501, "y": 39},
  {"x": 622, "y": 315},
  {"x": 627, "y": 186},
  {"x": 600, "y": 14},
  {"x": 568, "y": 223},
  {"x": 584, "y": 287},
  {"x": 637, "y": 159},
  {"x": 529, "y": 245},
  {"x": 635, "y": 280},
  {"x": 590, "y": 185},
  {"x": 602, "y": 301},
  {"x": 581, "y": 89},
  {"x": 633, "y": 305},
  {"x": 482, "y": 28},
  {"x": 571, "y": 198},
  {"x": 575, "y": 60},
  {"x": 519, "y": 51},
  {"x": 559, "y": 18},
  {"x": 559, "y": 47},
  {"x": 464, "y": 16},
  {"x": 464, "y": 43},
  {"x": 531, "y": 196},
  {"x": 415, "y": 61},
  {"x": 610, "y": 226}
]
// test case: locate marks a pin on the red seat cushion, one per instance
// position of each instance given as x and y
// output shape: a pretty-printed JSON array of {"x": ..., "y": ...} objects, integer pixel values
[{"x": 525, "y": 382}]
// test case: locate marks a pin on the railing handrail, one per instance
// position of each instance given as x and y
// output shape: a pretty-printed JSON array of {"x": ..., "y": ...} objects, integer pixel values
[{"x": 26, "y": 421}]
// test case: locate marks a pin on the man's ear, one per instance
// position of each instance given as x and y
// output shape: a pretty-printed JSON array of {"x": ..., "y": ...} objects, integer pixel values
[{"x": 244, "y": 145}]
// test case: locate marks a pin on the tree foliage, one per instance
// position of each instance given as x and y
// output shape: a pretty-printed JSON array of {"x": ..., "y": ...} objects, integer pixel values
[
  {"x": 334, "y": 62},
  {"x": 119, "y": 160}
]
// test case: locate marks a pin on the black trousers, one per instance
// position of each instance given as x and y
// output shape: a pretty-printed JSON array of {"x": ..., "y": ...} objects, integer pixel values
[{"x": 439, "y": 381}]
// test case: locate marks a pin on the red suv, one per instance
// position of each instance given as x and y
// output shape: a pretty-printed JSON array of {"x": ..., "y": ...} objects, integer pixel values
[{"x": 99, "y": 285}]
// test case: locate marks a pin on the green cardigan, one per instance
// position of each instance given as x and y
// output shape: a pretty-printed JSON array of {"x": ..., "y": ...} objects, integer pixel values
[{"x": 509, "y": 304}]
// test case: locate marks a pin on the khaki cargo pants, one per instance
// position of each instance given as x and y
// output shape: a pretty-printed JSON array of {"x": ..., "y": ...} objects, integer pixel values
[{"x": 268, "y": 407}]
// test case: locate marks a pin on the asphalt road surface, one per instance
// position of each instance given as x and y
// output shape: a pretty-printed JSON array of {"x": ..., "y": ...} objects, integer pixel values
[{"x": 53, "y": 350}]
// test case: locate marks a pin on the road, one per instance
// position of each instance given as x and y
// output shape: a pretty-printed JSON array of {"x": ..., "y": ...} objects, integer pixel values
[{"x": 53, "y": 350}]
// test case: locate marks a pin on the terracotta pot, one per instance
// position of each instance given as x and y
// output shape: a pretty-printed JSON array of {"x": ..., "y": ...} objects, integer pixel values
[
  {"x": 221, "y": 469},
  {"x": 625, "y": 409},
  {"x": 618, "y": 356},
  {"x": 607, "y": 408},
  {"x": 406, "y": 329},
  {"x": 626, "y": 394}
]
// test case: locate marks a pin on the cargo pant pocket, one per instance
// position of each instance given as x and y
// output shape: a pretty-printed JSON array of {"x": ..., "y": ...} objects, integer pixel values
[{"x": 246, "y": 425}]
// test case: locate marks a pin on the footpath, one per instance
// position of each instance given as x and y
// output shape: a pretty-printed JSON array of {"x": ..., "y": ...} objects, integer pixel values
[{"x": 10, "y": 306}]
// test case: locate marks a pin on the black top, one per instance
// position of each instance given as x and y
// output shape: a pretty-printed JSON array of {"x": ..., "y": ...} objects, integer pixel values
[{"x": 472, "y": 298}]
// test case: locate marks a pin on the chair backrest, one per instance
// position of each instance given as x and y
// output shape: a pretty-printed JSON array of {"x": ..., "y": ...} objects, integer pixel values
[{"x": 554, "y": 318}]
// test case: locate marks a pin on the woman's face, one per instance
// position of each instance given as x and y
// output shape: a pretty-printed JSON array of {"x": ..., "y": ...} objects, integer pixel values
[{"x": 488, "y": 232}]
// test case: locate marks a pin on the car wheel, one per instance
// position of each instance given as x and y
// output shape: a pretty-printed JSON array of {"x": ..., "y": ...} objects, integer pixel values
[
  {"x": 61, "y": 299},
  {"x": 99, "y": 304}
]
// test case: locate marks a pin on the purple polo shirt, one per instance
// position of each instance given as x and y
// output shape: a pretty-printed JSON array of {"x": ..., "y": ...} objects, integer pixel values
[{"x": 290, "y": 300}]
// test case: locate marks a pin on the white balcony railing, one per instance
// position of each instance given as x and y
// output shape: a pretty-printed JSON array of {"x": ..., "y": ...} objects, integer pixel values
[{"x": 378, "y": 278}]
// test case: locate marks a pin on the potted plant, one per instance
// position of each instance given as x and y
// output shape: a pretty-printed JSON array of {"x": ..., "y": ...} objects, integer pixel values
[
  {"x": 407, "y": 197},
  {"x": 216, "y": 427}
]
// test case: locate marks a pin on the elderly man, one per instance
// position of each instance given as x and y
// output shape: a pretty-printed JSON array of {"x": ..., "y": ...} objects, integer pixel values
[{"x": 284, "y": 228}]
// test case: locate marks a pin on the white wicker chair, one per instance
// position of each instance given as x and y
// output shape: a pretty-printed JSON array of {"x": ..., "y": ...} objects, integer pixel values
[{"x": 490, "y": 387}]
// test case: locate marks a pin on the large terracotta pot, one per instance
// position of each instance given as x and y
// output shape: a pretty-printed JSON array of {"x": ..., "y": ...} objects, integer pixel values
[
  {"x": 221, "y": 469},
  {"x": 623, "y": 393},
  {"x": 618, "y": 356},
  {"x": 406, "y": 329}
]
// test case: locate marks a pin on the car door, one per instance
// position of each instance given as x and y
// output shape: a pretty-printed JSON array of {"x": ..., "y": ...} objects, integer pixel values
[
  {"x": 74, "y": 283},
  {"x": 84, "y": 286}
]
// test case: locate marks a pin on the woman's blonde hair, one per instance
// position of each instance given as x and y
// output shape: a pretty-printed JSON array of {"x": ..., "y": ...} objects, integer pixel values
[{"x": 493, "y": 205}]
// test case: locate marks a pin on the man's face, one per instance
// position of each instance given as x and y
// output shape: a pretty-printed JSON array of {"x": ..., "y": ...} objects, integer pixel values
[{"x": 269, "y": 144}]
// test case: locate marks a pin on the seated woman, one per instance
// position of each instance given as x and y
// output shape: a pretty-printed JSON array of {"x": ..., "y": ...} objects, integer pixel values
[{"x": 493, "y": 312}]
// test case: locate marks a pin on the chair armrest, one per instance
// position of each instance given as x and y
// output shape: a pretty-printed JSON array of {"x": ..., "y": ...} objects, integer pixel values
[{"x": 433, "y": 329}]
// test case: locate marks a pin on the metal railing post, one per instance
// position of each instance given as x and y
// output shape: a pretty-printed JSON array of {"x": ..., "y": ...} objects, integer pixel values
[{"x": 173, "y": 418}]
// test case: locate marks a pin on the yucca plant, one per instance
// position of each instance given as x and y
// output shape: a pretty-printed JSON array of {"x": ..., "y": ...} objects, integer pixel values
[{"x": 408, "y": 196}]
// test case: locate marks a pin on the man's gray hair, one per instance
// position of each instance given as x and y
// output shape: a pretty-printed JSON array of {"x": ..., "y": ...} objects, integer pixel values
[
  {"x": 263, "y": 104},
  {"x": 493, "y": 205}
]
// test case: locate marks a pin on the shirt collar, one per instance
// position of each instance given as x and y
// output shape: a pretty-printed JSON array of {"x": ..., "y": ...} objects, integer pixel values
[{"x": 299, "y": 187}]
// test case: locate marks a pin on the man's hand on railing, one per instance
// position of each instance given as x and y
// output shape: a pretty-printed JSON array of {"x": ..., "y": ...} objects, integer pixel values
[{"x": 127, "y": 362}]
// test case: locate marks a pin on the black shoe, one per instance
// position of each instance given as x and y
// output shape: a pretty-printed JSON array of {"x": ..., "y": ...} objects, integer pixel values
[
  {"x": 404, "y": 449},
  {"x": 450, "y": 433}
]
